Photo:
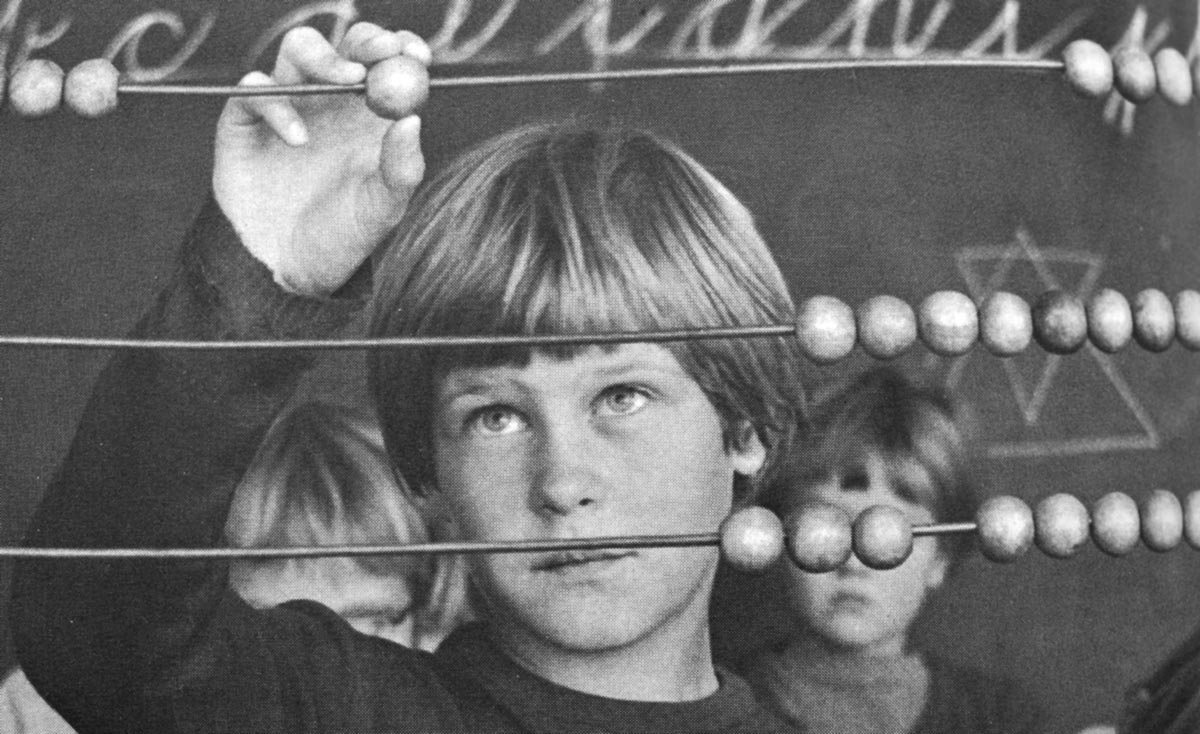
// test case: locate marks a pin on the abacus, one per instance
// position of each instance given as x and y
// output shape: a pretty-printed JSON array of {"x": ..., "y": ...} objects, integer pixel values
[{"x": 818, "y": 538}]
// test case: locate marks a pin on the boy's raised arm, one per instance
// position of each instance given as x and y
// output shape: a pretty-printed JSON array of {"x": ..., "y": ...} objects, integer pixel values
[{"x": 167, "y": 435}]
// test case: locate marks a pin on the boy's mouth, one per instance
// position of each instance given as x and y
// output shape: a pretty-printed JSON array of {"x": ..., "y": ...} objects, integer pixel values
[
  {"x": 572, "y": 559},
  {"x": 852, "y": 599}
]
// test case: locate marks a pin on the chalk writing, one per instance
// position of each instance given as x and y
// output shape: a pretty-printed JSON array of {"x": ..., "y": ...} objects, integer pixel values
[
  {"x": 343, "y": 12},
  {"x": 446, "y": 51},
  {"x": 692, "y": 37},
  {"x": 129, "y": 39}
]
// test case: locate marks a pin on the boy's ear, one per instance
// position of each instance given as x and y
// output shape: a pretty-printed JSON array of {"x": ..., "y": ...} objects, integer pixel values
[{"x": 746, "y": 451}]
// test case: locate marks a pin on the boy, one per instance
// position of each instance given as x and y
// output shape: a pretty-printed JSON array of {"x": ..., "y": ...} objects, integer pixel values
[
  {"x": 545, "y": 230},
  {"x": 849, "y": 667}
]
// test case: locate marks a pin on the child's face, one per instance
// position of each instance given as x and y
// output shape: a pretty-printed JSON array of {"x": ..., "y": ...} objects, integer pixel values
[
  {"x": 373, "y": 604},
  {"x": 856, "y": 607},
  {"x": 605, "y": 443}
]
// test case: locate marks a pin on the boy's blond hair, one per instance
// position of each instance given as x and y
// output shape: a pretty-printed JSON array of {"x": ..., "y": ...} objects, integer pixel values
[{"x": 572, "y": 229}]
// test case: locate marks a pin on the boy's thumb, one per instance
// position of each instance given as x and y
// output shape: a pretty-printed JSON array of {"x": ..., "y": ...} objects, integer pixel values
[{"x": 401, "y": 161}]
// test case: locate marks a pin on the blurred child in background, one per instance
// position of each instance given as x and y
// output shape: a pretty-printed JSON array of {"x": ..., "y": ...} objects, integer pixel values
[
  {"x": 321, "y": 477},
  {"x": 849, "y": 666}
]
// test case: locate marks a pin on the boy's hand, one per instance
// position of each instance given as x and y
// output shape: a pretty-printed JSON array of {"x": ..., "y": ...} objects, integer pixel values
[{"x": 313, "y": 185}]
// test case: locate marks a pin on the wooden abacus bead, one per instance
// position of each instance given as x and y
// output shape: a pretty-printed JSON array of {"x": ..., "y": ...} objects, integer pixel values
[
  {"x": 1187, "y": 318},
  {"x": 91, "y": 88},
  {"x": 1153, "y": 320},
  {"x": 948, "y": 323},
  {"x": 752, "y": 539},
  {"x": 887, "y": 326},
  {"x": 1059, "y": 322},
  {"x": 1174, "y": 76},
  {"x": 1115, "y": 524},
  {"x": 882, "y": 537},
  {"x": 818, "y": 537},
  {"x": 1005, "y": 324},
  {"x": 1088, "y": 67},
  {"x": 386, "y": 87},
  {"x": 825, "y": 328},
  {"x": 1109, "y": 320},
  {"x": 1162, "y": 520},
  {"x": 1133, "y": 74},
  {"x": 35, "y": 88},
  {"x": 1004, "y": 525},
  {"x": 1191, "y": 518},
  {"x": 1061, "y": 525}
]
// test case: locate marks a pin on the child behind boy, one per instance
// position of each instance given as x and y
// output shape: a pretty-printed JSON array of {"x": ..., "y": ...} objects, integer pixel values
[
  {"x": 545, "y": 230},
  {"x": 321, "y": 477},
  {"x": 849, "y": 667}
]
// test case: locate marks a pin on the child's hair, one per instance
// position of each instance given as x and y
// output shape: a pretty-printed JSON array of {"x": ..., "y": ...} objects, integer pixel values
[
  {"x": 885, "y": 412},
  {"x": 321, "y": 477},
  {"x": 570, "y": 229}
]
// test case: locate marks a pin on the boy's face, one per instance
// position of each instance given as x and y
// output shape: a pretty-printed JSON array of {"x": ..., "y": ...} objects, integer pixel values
[
  {"x": 856, "y": 607},
  {"x": 605, "y": 443}
]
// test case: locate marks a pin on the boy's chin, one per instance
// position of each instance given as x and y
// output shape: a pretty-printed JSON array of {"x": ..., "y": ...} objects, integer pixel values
[
  {"x": 579, "y": 627},
  {"x": 852, "y": 637},
  {"x": 594, "y": 630}
]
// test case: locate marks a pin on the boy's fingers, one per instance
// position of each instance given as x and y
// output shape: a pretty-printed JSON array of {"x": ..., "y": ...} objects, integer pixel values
[
  {"x": 277, "y": 112},
  {"x": 401, "y": 162},
  {"x": 415, "y": 47},
  {"x": 369, "y": 44},
  {"x": 306, "y": 56}
]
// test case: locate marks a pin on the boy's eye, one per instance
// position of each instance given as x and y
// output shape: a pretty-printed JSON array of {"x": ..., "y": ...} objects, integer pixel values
[
  {"x": 906, "y": 492},
  {"x": 496, "y": 420},
  {"x": 622, "y": 400},
  {"x": 855, "y": 479}
]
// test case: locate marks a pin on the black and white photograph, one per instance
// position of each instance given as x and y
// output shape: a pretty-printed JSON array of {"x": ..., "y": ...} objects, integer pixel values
[{"x": 600, "y": 366}]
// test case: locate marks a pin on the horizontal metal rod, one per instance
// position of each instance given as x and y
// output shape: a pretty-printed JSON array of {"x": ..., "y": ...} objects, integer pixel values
[
  {"x": 509, "y": 546},
  {"x": 945, "y": 528},
  {"x": 612, "y": 75},
  {"x": 624, "y": 337}
]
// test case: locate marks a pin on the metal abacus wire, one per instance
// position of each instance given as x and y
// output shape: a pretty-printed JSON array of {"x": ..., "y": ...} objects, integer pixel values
[{"x": 613, "y": 75}]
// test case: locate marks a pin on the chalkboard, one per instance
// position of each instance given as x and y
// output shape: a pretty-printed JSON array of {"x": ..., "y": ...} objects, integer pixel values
[{"x": 863, "y": 182}]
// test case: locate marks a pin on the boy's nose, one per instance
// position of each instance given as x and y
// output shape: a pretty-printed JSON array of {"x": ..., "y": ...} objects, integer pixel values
[
  {"x": 565, "y": 480},
  {"x": 853, "y": 567}
]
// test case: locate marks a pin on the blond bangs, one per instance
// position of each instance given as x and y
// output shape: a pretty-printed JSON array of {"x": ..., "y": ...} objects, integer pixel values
[{"x": 569, "y": 230}]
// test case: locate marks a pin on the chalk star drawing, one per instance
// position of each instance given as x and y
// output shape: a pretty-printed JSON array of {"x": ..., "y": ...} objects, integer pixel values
[{"x": 973, "y": 264}]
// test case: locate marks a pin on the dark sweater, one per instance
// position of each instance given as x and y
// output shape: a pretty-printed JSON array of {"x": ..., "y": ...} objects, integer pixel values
[
  {"x": 163, "y": 646},
  {"x": 913, "y": 694}
]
